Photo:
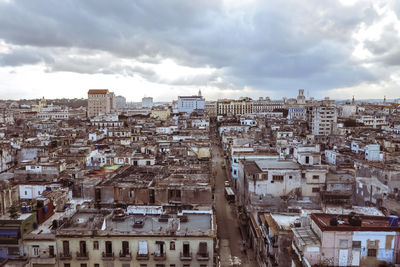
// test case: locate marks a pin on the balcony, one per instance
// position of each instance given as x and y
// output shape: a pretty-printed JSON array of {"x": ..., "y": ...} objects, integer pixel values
[
  {"x": 82, "y": 255},
  {"x": 65, "y": 256},
  {"x": 160, "y": 257},
  {"x": 142, "y": 257},
  {"x": 44, "y": 259},
  {"x": 107, "y": 256},
  {"x": 202, "y": 256},
  {"x": 186, "y": 256},
  {"x": 125, "y": 256}
]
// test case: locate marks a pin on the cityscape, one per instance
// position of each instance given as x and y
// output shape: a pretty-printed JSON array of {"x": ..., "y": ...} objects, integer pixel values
[
  {"x": 202, "y": 133},
  {"x": 234, "y": 182}
]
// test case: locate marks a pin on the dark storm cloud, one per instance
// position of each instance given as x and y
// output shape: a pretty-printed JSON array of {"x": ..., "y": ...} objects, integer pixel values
[{"x": 265, "y": 44}]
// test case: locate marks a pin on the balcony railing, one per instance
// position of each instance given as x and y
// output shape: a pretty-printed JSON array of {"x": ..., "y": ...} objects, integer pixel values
[
  {"x": 125, "y": 256},
  {"x": 82, "y": 255},
  {"x": 107, "y": 256},
  {"x": 186, "y": 256},
  {"x": 202, "y": 256},
  {"x": 142, "y": 256},
  {"x": 65, "y": 256},
  {"x": 160, "y": 257},
  {"x": 43, "y": 259}
]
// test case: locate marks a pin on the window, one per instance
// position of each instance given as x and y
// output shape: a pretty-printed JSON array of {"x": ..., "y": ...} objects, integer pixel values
[
  {"x": 186, "y": 249},
  {"x": 82, "y": 248},
  {"x": 315, "y": 177},
  {"x": 203, "y": 249},
  {"x": 343, "y": 243},
  {"x": 307, "y": 160},
  {"x": 315, "y": 189},
  {"x": 83, "y": 265},
  {"x": 277, "y": 178},
  {"x": 35, "y": 251},
  {"x": 290, "y": 176},
  {"x": 172, "y": 245},
  {"x": 66, "y": 248},
  {"x": 26, "y": 193},
  {"x": 96, "y": 245},
  {"x": 108, "y": 247},
  {"x": 234, "y": 172},
  {"x": 143, "y": 265},
  {"x": 51, "y": 251},
  {"x": 67, "y": 265},
  {"x": 96, "y": 265},
  {"x": 125, "y": 248},
  {"x": 126, "y": 265},
  {"x": 303, "y": 175},
  {"x": 186, "y": 265},
  {"x": 371, "y": 252},
  {"x": 356, "y": 244}
]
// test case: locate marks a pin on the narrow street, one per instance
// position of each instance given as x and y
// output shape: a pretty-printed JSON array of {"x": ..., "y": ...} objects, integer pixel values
[{"x": 230, "y": 239}]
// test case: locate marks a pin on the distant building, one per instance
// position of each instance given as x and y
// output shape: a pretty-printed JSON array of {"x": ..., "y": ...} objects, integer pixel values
[
  {"x": 120, "y": 101},
  {"x": 147, "y": 102},
  {"x": 211, "y": 108},
  {"x": 100, "y": 101},
  {"x": 324, "y": 119},
  {"x": 235, "y": 107},
  {"x": 189, "y": 104}
]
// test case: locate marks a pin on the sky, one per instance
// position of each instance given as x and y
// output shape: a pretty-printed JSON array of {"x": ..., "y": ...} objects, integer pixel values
[{"x": 225, "y": 48}]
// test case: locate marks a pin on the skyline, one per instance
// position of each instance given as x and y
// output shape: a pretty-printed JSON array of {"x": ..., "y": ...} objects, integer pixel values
[{"x": 226, "y": 49}]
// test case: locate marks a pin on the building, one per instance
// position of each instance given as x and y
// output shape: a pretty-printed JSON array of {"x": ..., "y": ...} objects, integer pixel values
[
  {"x": 235, "y": 107},
  {"x": 147, "y": 102},
  {"x": 324, "y": 119},
  {"x": 263, "y": 105},
  {"x": 347, "y": 240},
  {"x": 100, "y": 101},
  {"x": 120, "y": 102},
  {"x": 189, "y": 104},
  {"x": 145, "y": 235},
  {"x": 211, "y": 108}
]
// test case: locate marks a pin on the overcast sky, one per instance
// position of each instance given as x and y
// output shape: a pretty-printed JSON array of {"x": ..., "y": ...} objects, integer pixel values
[{"x": 225, "y": 48}]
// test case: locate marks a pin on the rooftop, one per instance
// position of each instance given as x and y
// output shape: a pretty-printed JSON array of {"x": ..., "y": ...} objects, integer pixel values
[
  {"x": 368, "y": 223},
  {"x": 97, "y": 91},
  {"x": 267, "y": 164},
  {"x": 187, "y": 223}
]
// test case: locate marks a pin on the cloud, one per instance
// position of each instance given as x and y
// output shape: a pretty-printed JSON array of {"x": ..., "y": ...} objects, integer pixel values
[{"x": 229, "y": 45}]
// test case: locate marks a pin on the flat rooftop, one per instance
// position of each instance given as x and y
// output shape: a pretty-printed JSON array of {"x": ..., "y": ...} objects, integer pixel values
[
  {"x": 270, "y": 164},
  {"x": 104, "y": 223},
  {"x": 368, "y": 223}
]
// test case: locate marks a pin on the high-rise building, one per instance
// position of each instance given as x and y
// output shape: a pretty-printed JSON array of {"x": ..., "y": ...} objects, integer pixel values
[
  {"x": 147, "y": 102},
  {"x": 324, "y": 118},
  {"x": 100, "y": 101}
]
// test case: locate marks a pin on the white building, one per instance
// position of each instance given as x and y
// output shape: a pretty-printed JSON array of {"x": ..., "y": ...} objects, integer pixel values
[
  {"x": 324, "y": 120},
  {"x": 373, "y": 153},
  {"x": 189, "y": 104}
]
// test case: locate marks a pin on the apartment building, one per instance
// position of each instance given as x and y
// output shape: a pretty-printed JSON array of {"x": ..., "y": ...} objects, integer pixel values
[
  {"x": 235, "y": 107},
  {"x": 324, "y": 119},
  {"x": 138, "y": 238},
  {"x": 100, "y": 101},
  {"x": 347, "y": 240}
]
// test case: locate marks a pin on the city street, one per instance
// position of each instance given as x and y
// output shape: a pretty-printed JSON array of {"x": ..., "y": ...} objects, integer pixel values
[{"x": 230, "y": 240}]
